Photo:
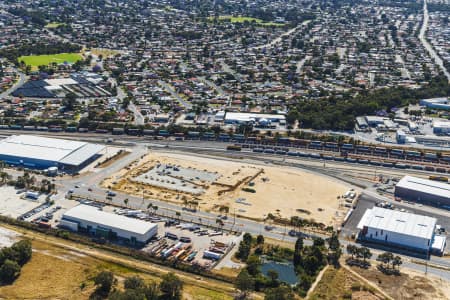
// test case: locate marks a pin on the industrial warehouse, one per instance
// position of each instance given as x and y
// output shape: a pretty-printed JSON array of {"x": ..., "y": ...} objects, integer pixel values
[
  {"x": 424, "y": 191},
  {"x": 91, "y": 220},
  {"x": 400, "y": 229},
  {"x": 37, "y": 152}
]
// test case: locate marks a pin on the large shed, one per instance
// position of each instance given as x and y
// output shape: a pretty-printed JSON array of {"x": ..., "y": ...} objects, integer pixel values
[
  {"x": 37, "y": 152},
  {"x": 423, "y": 190},
  {"x": 396, "y": 228},
  {"x": 91, "y": 220}
]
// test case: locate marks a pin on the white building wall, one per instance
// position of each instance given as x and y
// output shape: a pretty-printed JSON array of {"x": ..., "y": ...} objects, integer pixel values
[
  {"x": 120, "y": 232},
  {"x": 398, "y": 238}
]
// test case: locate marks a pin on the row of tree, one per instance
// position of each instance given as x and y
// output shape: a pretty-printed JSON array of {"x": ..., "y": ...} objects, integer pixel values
[
  {"x": 135, "y": 287},
  {"x": 12, "y": 259},
  {"x": 356, "y": 254},
  {"x": 390, "y": 263}
]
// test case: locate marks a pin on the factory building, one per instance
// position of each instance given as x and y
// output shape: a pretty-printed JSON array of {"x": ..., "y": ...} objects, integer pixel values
[
  {"x": 89, "y": 219},
  {"x": 400, "y": 229},
  {"x": 36, "y": 152},
  {"x": 436, "y": 103},
  {"x": 441, "y": 127},
  {"x": 253, "y": 118},
  {"x": 425, "y": 191}
]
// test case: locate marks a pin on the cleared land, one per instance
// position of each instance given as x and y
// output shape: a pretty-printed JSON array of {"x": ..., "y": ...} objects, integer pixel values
[
  {"x": 410, "y": 285},
  {"x": 61, "y": 269},
  {"x": 341, "y": 284},
  {"x": 242, "y": 19},
  {"x": 43, "y": 60},
  {"x": 251, "y": 191}
]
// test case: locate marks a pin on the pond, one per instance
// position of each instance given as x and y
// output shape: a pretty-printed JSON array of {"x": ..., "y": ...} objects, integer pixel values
[{"x": 285, "y": 271}]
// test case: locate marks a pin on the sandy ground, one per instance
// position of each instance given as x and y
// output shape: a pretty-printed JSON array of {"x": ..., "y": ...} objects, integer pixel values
[
  {"x": 7, "y": 237},
  {"x": 279, "y": 190},
  {"x": 13, "y": 204},
  {"x": 410, "y": 285}
]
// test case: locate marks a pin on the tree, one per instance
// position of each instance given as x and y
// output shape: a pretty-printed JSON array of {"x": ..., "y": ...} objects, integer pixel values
[
  {"x": 334, "y": 256},
  {"x": 279, "y": 293},
  {"x": 318, "y": 242},
  {"x": 244, "y": 282},
  {"x": 253, "y": 264},
  {"x": 243, "y": 251},
  {"x": 365, "y": 253},
  {"x": 171, "y": 286},
  {"x": 386, "y": 258},
  {"x": 333, "y": 242},
  {"x": 23, "y": 251},
  {"x": 260, "y": 239},
  {"x": 247, "y": 238},
  {"x": 127, "y": 295},
  {"x": 104, "y": 281},
  {"x": 273, "y": 275},
  {"x": 134, "y": 283},
  {"x": 335, "y": 249},
  {"x": 151, "y": 291},
  {"x": 352, "y": 249},
  {"x": 310, "y": 264},
  {"x": 397, "y": 261},
  {"x": 9, "y": 271},
  {"x": 298, "y": 251}
]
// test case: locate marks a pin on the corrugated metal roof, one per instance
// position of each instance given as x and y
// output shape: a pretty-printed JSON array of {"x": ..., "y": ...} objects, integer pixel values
[
  {"x": 110, "y": 220},
  {"x": 36, "y": 147},
  {"x": 48, "y": 149},
  {"x": 249, "y": 116},
  {"x": 425, "y": 186},
  {"x": 399, "y": 222},
  {"x": 80, "y": 155}
]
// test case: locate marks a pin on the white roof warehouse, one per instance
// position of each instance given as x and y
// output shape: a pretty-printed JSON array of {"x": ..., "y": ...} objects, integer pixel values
[
  {"x": 396, "y": 228},
  {"x": 108, "y": 225},
  {"x": 40, "y": 152},
  {"x": 423, "y": 190}
]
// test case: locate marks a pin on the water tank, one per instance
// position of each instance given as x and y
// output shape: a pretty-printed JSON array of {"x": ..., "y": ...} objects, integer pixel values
[{"x": 52, "y": 171}]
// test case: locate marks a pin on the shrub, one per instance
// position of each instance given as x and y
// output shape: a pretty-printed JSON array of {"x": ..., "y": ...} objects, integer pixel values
[{"x": 249, "y": 190}]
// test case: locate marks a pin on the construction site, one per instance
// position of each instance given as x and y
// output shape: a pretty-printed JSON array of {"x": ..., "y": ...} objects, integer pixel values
[{"x": 229, "y": 187}]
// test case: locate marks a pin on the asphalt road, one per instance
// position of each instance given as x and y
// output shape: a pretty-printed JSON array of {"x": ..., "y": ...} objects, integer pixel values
[
  {"x": 437, "y": 59},
  {"x": 19, "y": 83},
  {"x": 174, "y": 94}
]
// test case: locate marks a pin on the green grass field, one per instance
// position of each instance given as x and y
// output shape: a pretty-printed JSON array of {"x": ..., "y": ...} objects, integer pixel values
[
  {"x": 53, "y": 25},
  {"x": 242, "y": 19},
  {"x": 43, "y": 60}
]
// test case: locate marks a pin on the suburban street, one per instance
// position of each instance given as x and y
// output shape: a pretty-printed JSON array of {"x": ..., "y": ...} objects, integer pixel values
[
  {"x": 19, "y": 83},
  {"x": 174, "y": 94},
  {"x": 430, "y": 49}
]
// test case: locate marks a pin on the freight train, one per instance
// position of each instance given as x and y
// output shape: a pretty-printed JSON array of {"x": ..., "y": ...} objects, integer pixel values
[{"x": 260, "y": 143}]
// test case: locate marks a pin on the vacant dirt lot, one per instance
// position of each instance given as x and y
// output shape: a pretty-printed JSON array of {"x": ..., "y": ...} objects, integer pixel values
[
  {"x": 252, "y": 191},
  {"x": 410, "y": 285},
  {"x": 339, "y": 284}
]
